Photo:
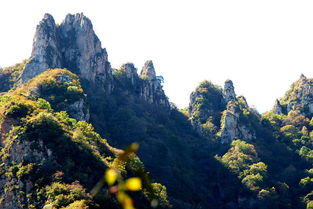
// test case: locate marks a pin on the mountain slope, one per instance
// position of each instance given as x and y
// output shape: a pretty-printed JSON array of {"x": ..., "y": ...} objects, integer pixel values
[{"x": 38, "y": 147}]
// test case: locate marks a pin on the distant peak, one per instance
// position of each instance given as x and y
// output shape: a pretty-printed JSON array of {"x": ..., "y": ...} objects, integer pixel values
[
  {"x": 148, "y": 70},
  {"x": 149, "y": 63},
  {"x": 229, "y": 82},
  {"x": 47, "y": 20},
  {"x": 48, "y": 16},
  {"x": 302, "y": 76},
  {"x": 72, "y": 44}
]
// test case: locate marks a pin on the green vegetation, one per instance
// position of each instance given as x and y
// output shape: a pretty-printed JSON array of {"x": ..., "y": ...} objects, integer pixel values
[
  {"x": 59, "y": 158},
  {"x": 208, "y": 103},
  {"x": 10, "y": 76},
  {"x": 242, "y": 159}
]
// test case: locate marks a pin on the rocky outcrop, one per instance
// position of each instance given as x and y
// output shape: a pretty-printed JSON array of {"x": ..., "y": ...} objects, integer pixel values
[
  {"x": 299, "y": 97},
  {"x": 229, "y": 91},
  {"x": 216, "y": 111},
  {"x": 18, "y": 152},
  {"x": 46, "y": 51},
  {"x": 81, "y": 49},
  {"x": 130, "y": 72},
  {"x": 73, "y": 45},
  {"x": 278, "y": 108},
  {"x": 79, "y": 110},
  {"x": 148, "y": 71},
  {"x": 146, "y": 87},
  {"x": 151, "y": 88},
  {"x": 232, "y": 125}
]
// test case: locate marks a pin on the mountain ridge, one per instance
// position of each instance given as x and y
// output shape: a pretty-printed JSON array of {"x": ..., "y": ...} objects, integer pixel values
[{"x": 217, "y": 153}]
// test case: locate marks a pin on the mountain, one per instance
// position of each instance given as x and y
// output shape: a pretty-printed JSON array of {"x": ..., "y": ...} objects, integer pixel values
[
  {"x": 66, "y": 116},
  {"x": 48, "y": 158}
]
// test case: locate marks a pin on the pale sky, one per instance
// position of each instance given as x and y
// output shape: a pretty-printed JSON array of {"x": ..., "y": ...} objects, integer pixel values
[{"x": 263, "y": 46}]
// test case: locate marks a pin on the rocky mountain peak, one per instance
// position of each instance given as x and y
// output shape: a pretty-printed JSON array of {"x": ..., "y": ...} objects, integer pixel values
[
  {"x": 81, "y": 48},
  {"x": 152, "y": 90},
  {"x": 48, "y": 20},
  {"x": 73, "y": 45},
  {"x": 45, "y": 52},
  {"x": 229, "y": 91},
  {"x": 148, "y": 70},
  {"x": 302, "y": 76}
]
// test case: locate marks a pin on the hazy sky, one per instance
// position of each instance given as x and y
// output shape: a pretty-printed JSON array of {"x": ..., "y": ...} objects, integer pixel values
[{"x": 263, "y": 46}]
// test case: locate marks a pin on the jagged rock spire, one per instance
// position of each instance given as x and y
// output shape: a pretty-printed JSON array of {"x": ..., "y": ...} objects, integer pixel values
[
  {"x": 45, "y": 52},
  {"x": 82, "y": 49},
  {"x": 72, "y": 45},
  {"x": 278, "y": 109},
  {"x": 302, "y": 76},
  {"x": 131, "y": 72},
  {"x": 229, "y": 91},
  {"x": 129, "y": 69},
  {"x": 148, "y": 71}
]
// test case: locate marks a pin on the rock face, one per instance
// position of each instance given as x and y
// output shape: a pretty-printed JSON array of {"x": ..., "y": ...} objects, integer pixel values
[
  {"x": 79, "y": 110},
  {"x": 131, "y": 72},
  {"x": 229, "y": 91},
  {"x": 278, "y": 109},
  {"x": 151, "y": 89},
  {"x": 232, "y": 125},
  {"x": 81, "y": 48},
  {"x": 299, "y": 97},
  {"x": 18, "y": 151},
  {"x": 148, "y": 71},
  {"x": 46, "y": 50},
  {"x": 72, "y": 45}
]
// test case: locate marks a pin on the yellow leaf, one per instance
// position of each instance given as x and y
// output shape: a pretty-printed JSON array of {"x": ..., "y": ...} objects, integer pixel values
[
  {"x": 122, "y": 196},
  {"x": 133, "y": 184},
  {"x": 134, "y": 147},
  {"x": 111, "y": 176},
  {"x": 125, "y": 200},
  {"x": 128, "y": 203},
  {"x": 129, "y": 207}
]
